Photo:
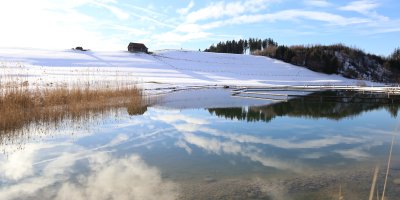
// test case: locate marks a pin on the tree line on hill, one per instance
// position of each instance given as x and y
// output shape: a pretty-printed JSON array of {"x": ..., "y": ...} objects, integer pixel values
[
  {"x": 241, "y": 46},
  {"x": 330, "y": 59}
]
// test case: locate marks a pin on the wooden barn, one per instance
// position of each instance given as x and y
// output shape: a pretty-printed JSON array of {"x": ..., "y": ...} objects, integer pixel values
[{"x": 137, "y": 47}]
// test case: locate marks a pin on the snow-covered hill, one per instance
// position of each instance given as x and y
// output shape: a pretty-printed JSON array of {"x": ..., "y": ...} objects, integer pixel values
[{"x": 169, "y": 67}]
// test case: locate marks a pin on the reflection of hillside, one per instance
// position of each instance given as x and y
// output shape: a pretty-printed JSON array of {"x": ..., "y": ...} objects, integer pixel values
[{"x": 332, "y": 105}]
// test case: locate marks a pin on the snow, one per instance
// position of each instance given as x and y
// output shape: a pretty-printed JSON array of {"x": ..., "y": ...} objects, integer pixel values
[{"x": 163, "y": 69}]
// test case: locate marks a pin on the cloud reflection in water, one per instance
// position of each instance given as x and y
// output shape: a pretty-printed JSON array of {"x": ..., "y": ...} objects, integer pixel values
[
  {"x": 104, "y": 177},
  {"x": 124, "y": 179},
  {"x": 109, "y": 166}
]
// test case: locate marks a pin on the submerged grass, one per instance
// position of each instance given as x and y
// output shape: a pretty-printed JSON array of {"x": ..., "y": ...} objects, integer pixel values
[
  {"x": 389, "y": 160},
  {"x": 22, "y": 106}
]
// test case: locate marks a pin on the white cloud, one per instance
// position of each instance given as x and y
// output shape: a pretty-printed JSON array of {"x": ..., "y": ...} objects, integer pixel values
[
  {"x": 221, "y": 13},
  {"x": 152, "y": 20},
  {"x": 190, "y": 29},
  {"x": 172, "y": 118},
  {"x": 119, "y": 139},
  {"x": 315, "y": 155},
  {"x": 383, "y": 30},
  {"x": 107, "y": 177},
  {"x": 113, "y": 9},
  {"x": 50, "y": 24},
  {"x": 355, "y": 153},
  {"x": 184, "y": 146},
  {"x": 213, "y": 145},
  {"x": 276, "y": 142},
  {"x": 177, "y": 39},
  {"x": 184, "y": 11},
  {"x": 318, "y": 3},
  {"x": 362, "y": 6},
  {"x": 220, "y": 142},
  {"x": 62, "y": 24},
  {"x": 130, "y": 30},
  {"x": 290, "y": 15},
  {"x": 125, "y": 178},
  {"x": 20, "y": 163},
  {"x": 148, "y": 11},
  {"x": 220, "y": 9}
]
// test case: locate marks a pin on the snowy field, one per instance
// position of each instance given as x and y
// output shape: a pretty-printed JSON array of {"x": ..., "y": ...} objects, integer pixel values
[{"x": 163, "y": 69}]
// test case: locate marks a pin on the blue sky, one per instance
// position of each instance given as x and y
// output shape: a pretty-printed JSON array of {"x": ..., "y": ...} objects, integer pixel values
[{"x": 371, "y": 25}]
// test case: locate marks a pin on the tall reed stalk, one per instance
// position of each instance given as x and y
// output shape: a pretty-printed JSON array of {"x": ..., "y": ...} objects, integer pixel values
[
  {"x": 371, "y": 193},
  {"x": 389, "y": 160}
]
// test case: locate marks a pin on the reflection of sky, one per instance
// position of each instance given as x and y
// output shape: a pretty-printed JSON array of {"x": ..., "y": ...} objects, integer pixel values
[
  {"x": 143, "y": 157},
  {"x": 76, "y": 172}
]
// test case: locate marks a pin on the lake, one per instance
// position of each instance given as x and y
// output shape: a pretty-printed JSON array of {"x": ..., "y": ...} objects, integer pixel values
[{"x": 208, "y": 144}]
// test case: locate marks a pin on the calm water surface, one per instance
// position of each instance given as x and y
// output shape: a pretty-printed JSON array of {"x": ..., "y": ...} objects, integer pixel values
[{"x": 300, "y": 149}]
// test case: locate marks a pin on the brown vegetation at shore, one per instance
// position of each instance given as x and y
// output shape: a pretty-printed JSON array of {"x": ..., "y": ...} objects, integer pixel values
[{"x": 21, "y": 106}]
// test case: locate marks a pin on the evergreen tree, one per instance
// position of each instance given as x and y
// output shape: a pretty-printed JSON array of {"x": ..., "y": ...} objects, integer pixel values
[
  {"x": 264, "y": 44},
  {"x": 245, "y": 46},
  {"x": 240, "y": 47},
  {"x": 271, "y": 42},
  {"x": 396, "y": 54},
  {"x": 251, "y": 45}
]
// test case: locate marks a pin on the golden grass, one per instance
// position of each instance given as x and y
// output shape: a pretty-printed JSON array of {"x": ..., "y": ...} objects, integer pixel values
[
  {"x": 375, "y": 176},
  {"x": 21, "y": 106},
  {"x": 373, "y": 185}
]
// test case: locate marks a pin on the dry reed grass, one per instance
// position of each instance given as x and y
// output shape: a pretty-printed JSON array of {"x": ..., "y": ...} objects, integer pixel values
[
  {"x": 21, "y": 106},
  {"x": 374, "y": 186}
]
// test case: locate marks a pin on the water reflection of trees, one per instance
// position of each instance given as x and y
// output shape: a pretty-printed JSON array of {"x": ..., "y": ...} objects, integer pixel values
[{"x": 331, "y": 105}]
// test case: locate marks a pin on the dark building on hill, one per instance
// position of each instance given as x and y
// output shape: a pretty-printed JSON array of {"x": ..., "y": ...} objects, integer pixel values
[
  {"x": 80, "y": 49},
  {"x": 137, "y": 47}
]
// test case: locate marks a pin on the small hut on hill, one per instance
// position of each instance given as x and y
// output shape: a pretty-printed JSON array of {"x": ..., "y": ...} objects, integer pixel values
[
  {"x": 137, "y": 47},
  {"x": 79, "y": 49}
]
